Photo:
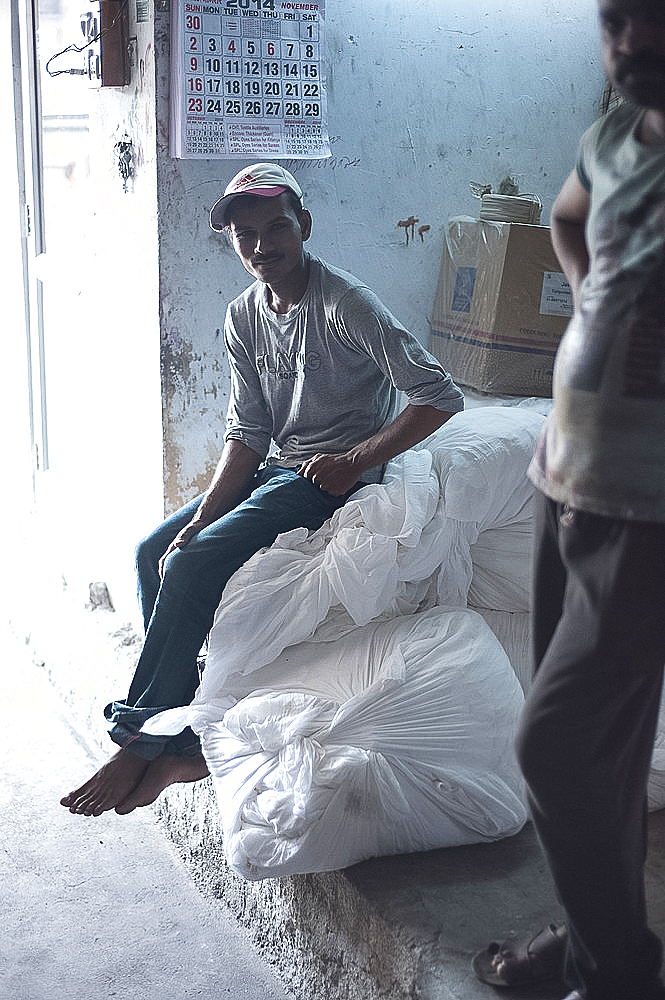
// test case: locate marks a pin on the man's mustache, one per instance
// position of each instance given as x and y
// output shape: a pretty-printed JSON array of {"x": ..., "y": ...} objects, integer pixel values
[
  {"x": 646, "y": 62},
  {"x": 264, "y": 259}
]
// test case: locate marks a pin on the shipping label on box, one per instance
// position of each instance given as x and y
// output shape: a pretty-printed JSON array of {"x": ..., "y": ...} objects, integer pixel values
[
  {"x": 501, "y": 307},
  {"x": 557, "y": 295},
  {"x": 465, "y": 281}
]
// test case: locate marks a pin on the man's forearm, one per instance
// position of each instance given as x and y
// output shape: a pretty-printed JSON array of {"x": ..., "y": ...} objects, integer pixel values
[
  {"x": 338, "y": 473},
  {"x": 569, "y": 242},
  {"x": 237, "y": 465},
  {"x": 227, "y": 488},
  {"x": 567, "y": 225},
  {"x": 412, "y": 426}
]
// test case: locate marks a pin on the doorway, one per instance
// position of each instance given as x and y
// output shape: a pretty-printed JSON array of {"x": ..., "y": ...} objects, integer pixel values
[{"x": 51, "y": 112}]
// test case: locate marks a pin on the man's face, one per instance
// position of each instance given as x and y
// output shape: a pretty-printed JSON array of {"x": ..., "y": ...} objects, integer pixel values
[
  {"x": 633, "y": 49},
  {"x": 268, "y": 235}
]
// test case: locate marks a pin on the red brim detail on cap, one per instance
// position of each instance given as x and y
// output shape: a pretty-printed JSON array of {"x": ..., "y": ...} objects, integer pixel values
[{"x": 271, "y": 192}]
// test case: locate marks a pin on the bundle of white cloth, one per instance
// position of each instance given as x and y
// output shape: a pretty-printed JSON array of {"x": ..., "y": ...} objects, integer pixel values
[{"x": 352, "y": 703}]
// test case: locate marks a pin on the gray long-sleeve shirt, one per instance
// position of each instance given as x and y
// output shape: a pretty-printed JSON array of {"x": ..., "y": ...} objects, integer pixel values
[{"x": 326, "y": 375}]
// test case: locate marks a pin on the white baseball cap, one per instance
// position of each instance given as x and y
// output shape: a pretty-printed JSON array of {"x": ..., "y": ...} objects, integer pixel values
[{"x": 264, "y": 179}]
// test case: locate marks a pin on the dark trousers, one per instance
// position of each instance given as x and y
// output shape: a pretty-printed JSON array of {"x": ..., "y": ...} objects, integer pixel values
[{"x": 587, "y": 736}]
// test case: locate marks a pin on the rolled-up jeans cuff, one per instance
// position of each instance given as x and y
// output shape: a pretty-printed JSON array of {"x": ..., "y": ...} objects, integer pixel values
[{"x": 125, "y": 730}]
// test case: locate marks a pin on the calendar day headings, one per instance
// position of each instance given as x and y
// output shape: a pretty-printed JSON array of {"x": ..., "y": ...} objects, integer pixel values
[{"x": 261, "y": 8}]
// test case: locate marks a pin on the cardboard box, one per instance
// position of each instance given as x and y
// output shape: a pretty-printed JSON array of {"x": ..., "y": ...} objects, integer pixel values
[{"x": 501, "y": 307}]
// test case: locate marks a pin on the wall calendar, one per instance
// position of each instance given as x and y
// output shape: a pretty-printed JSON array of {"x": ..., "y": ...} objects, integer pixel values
[{"x": 248, "y": 80}]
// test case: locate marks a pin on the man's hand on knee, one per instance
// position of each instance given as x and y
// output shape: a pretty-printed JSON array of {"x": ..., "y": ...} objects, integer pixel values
[{"x": 185, "y": 535}]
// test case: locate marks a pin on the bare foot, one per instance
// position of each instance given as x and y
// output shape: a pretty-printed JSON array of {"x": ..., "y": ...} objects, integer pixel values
[
  {"x": 163, "y": 771},
  {"x": 108, "y": 786}
]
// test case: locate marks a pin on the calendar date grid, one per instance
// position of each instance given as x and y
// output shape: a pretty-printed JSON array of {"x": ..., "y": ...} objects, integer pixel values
[{"x": 252, "y": 70}]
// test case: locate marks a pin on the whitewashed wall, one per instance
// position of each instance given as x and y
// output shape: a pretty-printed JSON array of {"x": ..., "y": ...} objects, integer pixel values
[{"x": 423, "y": 97}]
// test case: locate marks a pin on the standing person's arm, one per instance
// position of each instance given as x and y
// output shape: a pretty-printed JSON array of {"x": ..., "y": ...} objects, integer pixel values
[
  {"x": 228, "y": 487},
  {"x": 567, "y": 223}
]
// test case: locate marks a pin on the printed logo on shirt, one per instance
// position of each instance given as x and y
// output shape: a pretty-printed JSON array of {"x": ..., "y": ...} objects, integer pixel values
[{"x": 287, "y": 367}]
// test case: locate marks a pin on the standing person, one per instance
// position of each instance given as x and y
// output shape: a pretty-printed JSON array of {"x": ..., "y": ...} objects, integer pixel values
[
  {"x": 588, "y": 728},
  {"x": 317, "y": 362}
]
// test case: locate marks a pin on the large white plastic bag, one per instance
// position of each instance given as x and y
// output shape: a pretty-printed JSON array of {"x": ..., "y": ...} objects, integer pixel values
[
  {"x": 513, "y": 630},
  {"x": 481, "y": 461},
  {"x": 502, "y": 561},
  {"x": 481, "y": 457},
  {"x": 388, "y": 547},
  {"x": 354, "y": 561},
  {"x": 406, "y": 746}
]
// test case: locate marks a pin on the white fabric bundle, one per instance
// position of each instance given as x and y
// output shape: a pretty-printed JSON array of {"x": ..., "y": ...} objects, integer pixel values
[
  {"x": 397, "y": 737},
  {"x": 392, "y": 549}
]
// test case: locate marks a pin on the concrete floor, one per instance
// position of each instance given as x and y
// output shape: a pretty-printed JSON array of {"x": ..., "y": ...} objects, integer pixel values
[
  {"x": 93, "y": 908},
  {"x": 465, "y": 897}
]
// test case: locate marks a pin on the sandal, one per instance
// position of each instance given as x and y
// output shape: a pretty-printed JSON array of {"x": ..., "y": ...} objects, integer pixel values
[{"x": 523, "y": 961}]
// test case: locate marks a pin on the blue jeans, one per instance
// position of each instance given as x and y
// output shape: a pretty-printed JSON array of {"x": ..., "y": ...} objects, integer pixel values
[{"x": 178, "y": 611}]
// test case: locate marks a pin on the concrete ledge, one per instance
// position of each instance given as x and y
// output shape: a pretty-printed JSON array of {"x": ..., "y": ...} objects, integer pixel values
[
  {"x": 388, "y": 929},
  {"x": 324, "y": 937}
]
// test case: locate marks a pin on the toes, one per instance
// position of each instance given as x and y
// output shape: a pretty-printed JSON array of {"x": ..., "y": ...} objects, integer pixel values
[
  {"x": 108, "y": 787},
  {"x": 76, "y": 801},
  {"x": 84, "y": 807},
  {"x": 127, "y": 806}
]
